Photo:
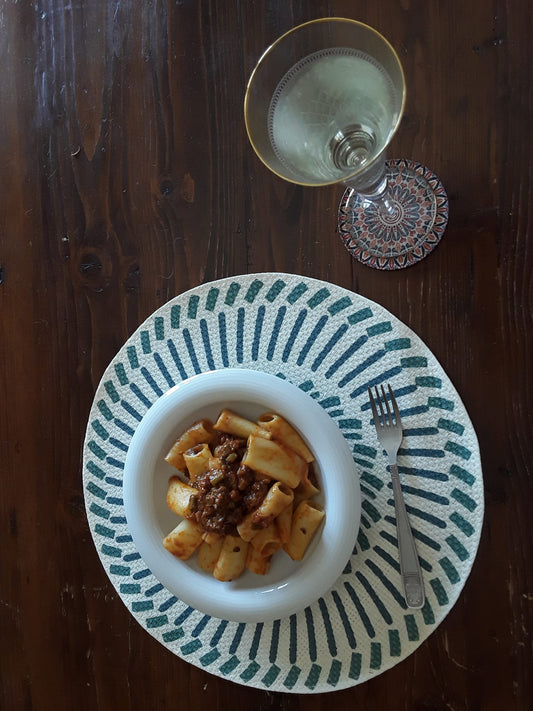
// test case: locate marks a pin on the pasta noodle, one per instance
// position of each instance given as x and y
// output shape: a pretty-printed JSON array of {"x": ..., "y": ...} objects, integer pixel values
[
  {"x": 249, "y": 494},
  {"x": 197, "y": 460},
  {"x": 208, "y": 554},
  {"x": 305, "y": 521},
  {"x": 284, "y": 522},
  {"x": 184, "y": 539},
  {"x": 281, "y": 430},
  {"x": 275, "y": 460},
  {"x": 179, "y": 496},
  {"x": 277, "y": 499},
  {"x": 267, "y": 540},
  {"x": 304, "y": 490},
  {"x": 234, "y": 424},
  {"x": 198, "y": 433},
  {"x": 232, "y": 559},
  {"x": 256, "y": 562}
]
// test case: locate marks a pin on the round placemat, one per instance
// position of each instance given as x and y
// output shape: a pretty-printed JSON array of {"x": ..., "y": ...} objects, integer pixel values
[
  {"x": 420, "y": 215},
  {"x": 332, "y": 343}
]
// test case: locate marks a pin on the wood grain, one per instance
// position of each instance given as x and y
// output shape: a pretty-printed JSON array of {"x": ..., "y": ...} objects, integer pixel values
[{"x": 126, "y": 178}]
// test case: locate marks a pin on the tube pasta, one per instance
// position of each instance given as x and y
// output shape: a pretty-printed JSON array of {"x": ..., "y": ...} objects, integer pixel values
[
  {"x": 305, "y": 490},
  {"x": 234, "y": 424},
  {"x": 305, "y": 521},
  {"x": 208, "y": 554},
  {"x": 184, "y": 539},
  {"x": 284, "y": 523},
  {"x": 232, "y": 559},
  {"x": 274, "y": 460},
  {"x": 285, "y": 433},
  {"x": 275, "y": 472},
  {"x": 179, "y": 496},
  {"x": 279, "y": 496},
  {"x": 197, "y": 460},
  {"x": 197, "y": 433},
  {"x": 256, "y": 562},
  {"x": 267, "y": 541}
]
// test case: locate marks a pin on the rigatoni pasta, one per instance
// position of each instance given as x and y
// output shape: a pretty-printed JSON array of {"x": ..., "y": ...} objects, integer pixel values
[
  {"x": 232, "y": 559},
  {"x": 283, "y": 523},
  {"x": 197, "y": 433},
  {"x": 209, "y": 553},
  {"x": 179, "y": 496},
  {"x": 267, "y": 541},
  {"x": 275, "y": 460},
  {"x": 197, "y": 460},
  {"x": 279, "y": 496},
  {"x": 184, "y": 539},
  {"x": 285, "y": 433},
  {"x": 305, "y": 490},
  {"x": 249, "y": 494},
  {"x": 231, "y": 423},
  {"x": 256, "y": 562},
  {"x": 305, "y": 520}
]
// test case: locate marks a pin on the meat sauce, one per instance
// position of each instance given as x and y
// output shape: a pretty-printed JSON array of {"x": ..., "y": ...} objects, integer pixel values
[{"x": 227, "y": 493}]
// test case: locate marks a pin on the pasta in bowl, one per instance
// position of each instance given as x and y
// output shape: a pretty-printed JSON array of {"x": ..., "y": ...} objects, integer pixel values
[
  {"x": 168, "y": 485},
  {"x": 246, "y": 490}
]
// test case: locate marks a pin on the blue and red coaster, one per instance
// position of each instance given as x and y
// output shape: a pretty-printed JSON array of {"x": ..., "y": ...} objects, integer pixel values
[{"x": 420, "y": 216}]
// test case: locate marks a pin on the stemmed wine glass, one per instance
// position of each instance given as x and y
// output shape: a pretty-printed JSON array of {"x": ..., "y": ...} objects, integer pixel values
[{"x": 321, "y": 108}]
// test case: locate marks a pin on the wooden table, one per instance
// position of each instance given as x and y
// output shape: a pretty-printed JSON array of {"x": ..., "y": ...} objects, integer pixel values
[{"x": 126, "y": 178}]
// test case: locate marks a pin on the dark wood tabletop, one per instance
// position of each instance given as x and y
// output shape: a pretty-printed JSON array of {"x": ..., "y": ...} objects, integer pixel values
[{"x": 126, "y": 178}]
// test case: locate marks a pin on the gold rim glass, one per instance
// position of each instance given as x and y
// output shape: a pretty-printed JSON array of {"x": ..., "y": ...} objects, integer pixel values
[
  {"x": 339, "y": 41},
  {"x": 321, "y": 108}
]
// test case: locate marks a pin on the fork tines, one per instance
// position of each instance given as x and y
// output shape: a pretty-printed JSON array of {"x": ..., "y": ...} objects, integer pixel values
[{"x": 385, "y": 415}]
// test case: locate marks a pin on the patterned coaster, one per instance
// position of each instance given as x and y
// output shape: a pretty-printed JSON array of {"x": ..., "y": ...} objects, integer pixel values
[
  {"x": 410, "y": 233},
  {"x": 332, "y": 343}
]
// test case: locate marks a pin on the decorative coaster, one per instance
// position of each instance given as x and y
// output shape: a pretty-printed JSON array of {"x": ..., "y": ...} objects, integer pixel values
[
  {"x": 332, "y": 343},
  {"x": 420, "y": 216}
]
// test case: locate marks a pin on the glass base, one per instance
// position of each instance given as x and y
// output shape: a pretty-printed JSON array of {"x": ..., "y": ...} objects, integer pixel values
[{"x": 404, "y": 238}]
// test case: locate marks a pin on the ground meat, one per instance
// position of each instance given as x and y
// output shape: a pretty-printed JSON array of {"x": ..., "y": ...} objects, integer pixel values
[
  {"x": 228, "y": 492},
  {"x": 228, "y": 445}
]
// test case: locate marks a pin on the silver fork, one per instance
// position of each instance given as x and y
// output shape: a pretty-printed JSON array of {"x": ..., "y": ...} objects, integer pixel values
[{"x": 390, "y": 435}]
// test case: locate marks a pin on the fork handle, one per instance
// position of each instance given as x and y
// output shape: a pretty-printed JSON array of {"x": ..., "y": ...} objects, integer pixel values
[{"x": 413, "y": 584}]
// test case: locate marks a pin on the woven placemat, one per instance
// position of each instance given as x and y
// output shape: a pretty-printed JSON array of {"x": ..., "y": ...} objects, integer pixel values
[{"x": 332, "y": 343}]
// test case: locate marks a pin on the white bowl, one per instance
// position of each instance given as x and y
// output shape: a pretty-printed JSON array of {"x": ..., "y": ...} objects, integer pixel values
[{"x": 290, "y": 585}]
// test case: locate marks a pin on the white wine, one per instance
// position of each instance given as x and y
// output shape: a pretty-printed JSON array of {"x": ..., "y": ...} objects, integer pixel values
[
  {"x": 329, "y": 121},
  {"x": 331, "y": 114}
]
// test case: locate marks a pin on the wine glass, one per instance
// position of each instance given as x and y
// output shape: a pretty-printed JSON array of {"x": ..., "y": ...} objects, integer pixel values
[{"x": 321, "y": 108}]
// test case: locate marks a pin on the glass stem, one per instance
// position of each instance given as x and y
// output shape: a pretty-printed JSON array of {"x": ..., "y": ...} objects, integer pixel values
[
  {"x": 375, "y": 189},
  {"x": 382, "y": 201}
]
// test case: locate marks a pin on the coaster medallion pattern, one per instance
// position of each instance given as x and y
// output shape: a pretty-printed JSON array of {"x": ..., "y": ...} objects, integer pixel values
[
  {"x": 332, "y": 343},
  {"x": 414, "y": 229}
]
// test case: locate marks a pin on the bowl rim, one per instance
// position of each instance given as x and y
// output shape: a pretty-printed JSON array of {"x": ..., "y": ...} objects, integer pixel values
[{"x": 331, "y": 549}]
